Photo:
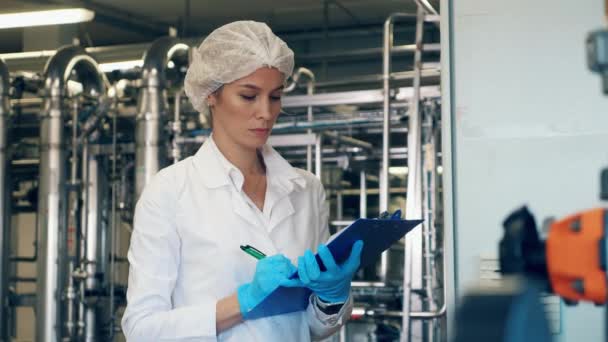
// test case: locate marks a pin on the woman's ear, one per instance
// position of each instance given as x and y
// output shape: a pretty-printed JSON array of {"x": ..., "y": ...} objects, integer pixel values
[{"x": 211, "y": 100}]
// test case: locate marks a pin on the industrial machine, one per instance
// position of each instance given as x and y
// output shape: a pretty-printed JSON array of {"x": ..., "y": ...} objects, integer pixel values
[{"x": 570, "y": 262}]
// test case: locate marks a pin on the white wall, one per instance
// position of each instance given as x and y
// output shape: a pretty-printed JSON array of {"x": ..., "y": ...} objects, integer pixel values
[{"x": 530, "y": 125}]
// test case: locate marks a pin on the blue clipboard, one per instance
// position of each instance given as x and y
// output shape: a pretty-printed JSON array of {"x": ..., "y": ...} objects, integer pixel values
[{"x": 377, "y": 235}]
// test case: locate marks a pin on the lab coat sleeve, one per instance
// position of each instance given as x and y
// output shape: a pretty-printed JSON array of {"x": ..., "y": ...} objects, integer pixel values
[
  {"x": 321, "y": 324},
  {"x": 154, "y": 259}
]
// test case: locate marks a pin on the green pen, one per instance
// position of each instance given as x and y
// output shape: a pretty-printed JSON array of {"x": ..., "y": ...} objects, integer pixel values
[{"x": 253, "y": 252}]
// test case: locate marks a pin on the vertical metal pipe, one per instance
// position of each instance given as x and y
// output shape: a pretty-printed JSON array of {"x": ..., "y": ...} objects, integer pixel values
[
  {"x": 5, "y": 200},
  {"x": 339, "y": 204},
  {"x": 363, "y": 195},
  {"x": 152, "y": 106},
  {"x": 319, "y": 155},
  {"x": 176, "y": 127},
  {"x": 91, "y": 257},
  {"x": 82, "y": 323},
  {"x": 325, "y": 36},
  {"x": 310, "y": 90},
  {"x": 73, "y": 228},
  {"x": 51, "y": 220},
  {"x": 428, "y": 227},
  {"x": 386, "y": 128},
  {"x": 113, "y": 231},
  {"x": 413, "y": 240},
  {"x": 52, "y": 206},
  {"x": 386, "y": 107}
]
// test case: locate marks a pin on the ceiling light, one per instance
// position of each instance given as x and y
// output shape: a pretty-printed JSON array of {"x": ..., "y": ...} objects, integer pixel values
[{"x": 47, "y": 17}]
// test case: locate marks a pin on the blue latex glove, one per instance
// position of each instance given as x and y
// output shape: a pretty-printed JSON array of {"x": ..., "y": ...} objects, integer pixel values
[
  {"x": 332, "y": 285},
  {"x": 270, "y": 273}
]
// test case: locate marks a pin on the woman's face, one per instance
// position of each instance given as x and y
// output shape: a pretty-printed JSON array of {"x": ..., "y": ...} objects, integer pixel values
[{"x": 245, "y": 110}]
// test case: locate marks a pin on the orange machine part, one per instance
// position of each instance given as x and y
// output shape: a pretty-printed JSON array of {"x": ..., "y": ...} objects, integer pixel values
[{"x": 574, "y": 256}]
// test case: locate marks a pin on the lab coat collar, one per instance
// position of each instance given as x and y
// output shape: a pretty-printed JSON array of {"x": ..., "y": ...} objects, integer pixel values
[{"x": 213, "y": 167}]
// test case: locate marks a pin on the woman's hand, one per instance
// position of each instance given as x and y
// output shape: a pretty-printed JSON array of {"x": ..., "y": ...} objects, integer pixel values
[
  {"x": 332, "y": 285},
  {"x": 270, "y": 273}
]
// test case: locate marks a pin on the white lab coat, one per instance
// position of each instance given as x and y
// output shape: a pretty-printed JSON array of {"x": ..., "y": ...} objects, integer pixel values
[{"x": 184, "y": 254}]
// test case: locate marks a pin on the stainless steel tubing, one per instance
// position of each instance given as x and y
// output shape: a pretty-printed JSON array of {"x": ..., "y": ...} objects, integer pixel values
[
  {"x": 152, "y": 107},
  {"x": 412, "y": 275},
  {"x": 414, "y": 193},
  {"x": 319, "y": 156},
  {"x": 92, "y": 256},
  {"x": 349, "y": 140},
  {"x": 52, "y": 201},
  {"x": 430, "y": 73},
  {"x": 429, "y": 214},
  {"x": 310, "y": 90},
  {"x": 113, "y": 230},
  {"x": 363, "y": 195},
  {"x": 413, "y": 315},
  {"x": 386, "y": 74},
  {"x": 428, "y": 8},
  {"x": 443, "y": 309},
  {"x": 5, "y": 200},
  {"x": 73, "y": 227},
  {"x": 386, "y": 104},
  {"x": 176, "y": 127}
]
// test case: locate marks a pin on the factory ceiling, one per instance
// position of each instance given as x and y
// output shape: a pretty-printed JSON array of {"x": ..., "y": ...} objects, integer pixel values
[{"x": 134, "y": 21}]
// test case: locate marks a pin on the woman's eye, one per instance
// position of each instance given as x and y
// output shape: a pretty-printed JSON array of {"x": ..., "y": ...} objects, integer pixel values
[
  {"x": 275, "y": 98},
  {"x": 248, "y": 98}
]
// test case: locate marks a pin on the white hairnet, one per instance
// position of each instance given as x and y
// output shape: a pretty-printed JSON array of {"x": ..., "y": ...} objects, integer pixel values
[{"x": 231, "y": 52}]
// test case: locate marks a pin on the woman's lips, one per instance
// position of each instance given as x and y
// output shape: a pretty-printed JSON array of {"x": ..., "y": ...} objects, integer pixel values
[{"x": 260, "y": 131}]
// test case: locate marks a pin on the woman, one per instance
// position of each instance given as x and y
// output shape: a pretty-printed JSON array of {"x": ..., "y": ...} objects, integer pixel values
[{"x": 188, "y": 278}]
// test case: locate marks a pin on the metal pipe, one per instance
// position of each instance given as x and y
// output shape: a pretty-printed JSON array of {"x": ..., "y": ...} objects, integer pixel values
[
  {"x": 113, "y": 230},
  {"x": 319, "y": 156},
  {"x": 362, "y": 195},
  {"x": 428, "y": 226},
  {"x": 339, "y": 204},
  {"x": 92, "y": 256},
  {"x": 429, "y": 73},
  {"x": 73, "y": 228},
  {"x": 413, "y": 240},
  {"x": 84, "y": 227},
  {"x": 28, "y": 101},
  {"x": 340, "y": 55},
  {"x": 5, "y": 199},
  {"x": 386, "y": 72},
  {"x": 427, "y": 7},
  {"x": 70, "y": 297},
  {"x": 52, "y": 206},
  {"x": 176, "y": 127},
  {"x": 441, "y": 311},
  {"x": 23, "y": 279},
  {"x": 394, "y": 313},
  {"x": 310, "y": 90},
  {"x": 152, "y": 107},
  {"x": 340, "y": 223},
  {"x": 349, "y": 140},
  {"x": 430, "y": 314},
  {"x": 386, "y": 127},
  {"x": 378, "y": 284}
]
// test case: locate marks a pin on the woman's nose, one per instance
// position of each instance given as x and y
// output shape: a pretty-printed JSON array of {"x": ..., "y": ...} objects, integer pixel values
[{"x": 265, "y": 110}]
